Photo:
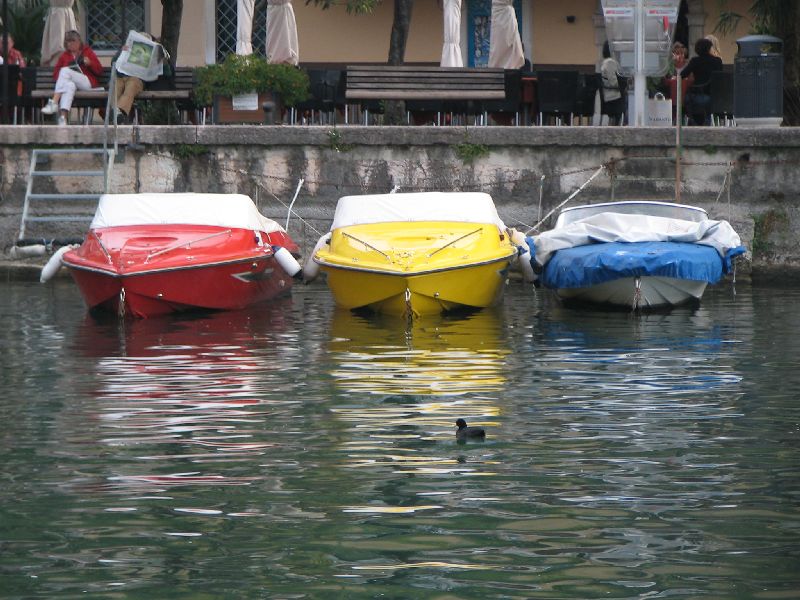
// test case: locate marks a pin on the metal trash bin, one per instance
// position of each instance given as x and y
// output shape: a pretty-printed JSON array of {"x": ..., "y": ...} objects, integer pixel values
[{"x": 758, "y": 81}]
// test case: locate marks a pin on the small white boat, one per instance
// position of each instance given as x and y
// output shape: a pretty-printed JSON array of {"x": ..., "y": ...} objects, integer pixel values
[{"x": 636, "y": 254}]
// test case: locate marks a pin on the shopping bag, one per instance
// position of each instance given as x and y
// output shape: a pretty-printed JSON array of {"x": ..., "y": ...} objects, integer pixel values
[{"x": 659, "y": 111}]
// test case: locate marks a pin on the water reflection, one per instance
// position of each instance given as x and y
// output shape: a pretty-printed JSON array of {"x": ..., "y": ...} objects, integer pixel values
[
  {"x": 401, "y": 388},
  {"x": 302, "y": 452},
  {"x": 187, "y": 390},
  {"x": 434, "y": 356},
  {"x": 413, "y": 380}
]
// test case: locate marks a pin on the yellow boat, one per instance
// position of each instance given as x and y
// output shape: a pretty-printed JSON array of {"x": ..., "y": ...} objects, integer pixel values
[{"x": 415, "y": 254}]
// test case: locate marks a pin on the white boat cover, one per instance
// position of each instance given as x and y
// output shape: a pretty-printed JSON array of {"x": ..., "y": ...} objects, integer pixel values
[
  {"x": 221, "y": 210},
  {"x": 616, "y": 227},
  {"x": 461, "y": 207}
]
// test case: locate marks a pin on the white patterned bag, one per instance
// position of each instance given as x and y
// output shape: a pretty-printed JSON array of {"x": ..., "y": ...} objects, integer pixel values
[{"x": 659, "y": 111}]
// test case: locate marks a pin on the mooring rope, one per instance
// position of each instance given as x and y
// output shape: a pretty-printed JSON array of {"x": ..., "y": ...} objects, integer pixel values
[{"x": 571, "y": 196}]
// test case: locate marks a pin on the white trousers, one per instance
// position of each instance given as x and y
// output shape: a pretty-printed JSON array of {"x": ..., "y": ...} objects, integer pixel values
[{"x": 67, "y": 83}]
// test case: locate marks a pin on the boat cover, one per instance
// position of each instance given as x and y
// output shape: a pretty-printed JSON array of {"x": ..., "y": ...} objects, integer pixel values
[
  {"x": 584, "y": 266},
  {"x": 462, "y": 207},
  {"x": 235, "y": 211},
  {"x": 615, "y": 227}
]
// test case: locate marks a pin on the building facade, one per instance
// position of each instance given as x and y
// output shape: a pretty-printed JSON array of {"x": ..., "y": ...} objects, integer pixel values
[{"x": 568, "y": 32}]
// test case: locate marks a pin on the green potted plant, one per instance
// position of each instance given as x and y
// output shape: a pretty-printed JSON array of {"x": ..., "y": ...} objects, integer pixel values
[{"x": 237, "y": 87}]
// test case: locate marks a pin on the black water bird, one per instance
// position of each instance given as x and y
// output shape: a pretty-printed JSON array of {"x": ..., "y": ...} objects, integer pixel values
[{"x": 465, "y": 433}]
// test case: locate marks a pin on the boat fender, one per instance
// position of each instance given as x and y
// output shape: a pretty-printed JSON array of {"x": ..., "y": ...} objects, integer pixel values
[
  {"x": 287, "y": 262},
  {"x": 54, "y": 264},
  {"x": 311, "y": 268},
  {"x": 523, "y": 255},
  {"x": 524, "y": 261},
  {"x": 531, "y": 266},
  {"x": 28, "y": 251}
]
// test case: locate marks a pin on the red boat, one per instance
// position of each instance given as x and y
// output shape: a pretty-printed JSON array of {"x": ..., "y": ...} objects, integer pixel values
[{"x": 152, "y": 254}]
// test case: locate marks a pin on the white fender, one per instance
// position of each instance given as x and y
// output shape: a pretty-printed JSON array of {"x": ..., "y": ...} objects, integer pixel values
[
  {"x": 28, "y": 251},
  {"x": 311, "y": 268},
  {"x": 54, "y": 264},
  {"x": 523, "y": 256},
  {"x": 525, "y": 266},
  {"x": 287, "y": 262}
]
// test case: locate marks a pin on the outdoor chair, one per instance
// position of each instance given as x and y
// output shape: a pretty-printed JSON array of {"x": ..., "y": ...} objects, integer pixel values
[
  {"x": 721, "y": 90},
  {"x": 585, "y": 96},
  {"x": 11, "y": 93},
  {"x": 321, "y": 107},
  {"x": 558, "y": 91},
  {"x": 507, "y": 112}
]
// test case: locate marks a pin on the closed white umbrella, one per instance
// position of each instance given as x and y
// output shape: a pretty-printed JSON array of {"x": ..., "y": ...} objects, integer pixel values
[
  {"x": 505, "y": 47},
  {"x": 244, "y": 26},
  {"x": 282, "y": 45},
  {"x": 451, "y": 51},
  {"x": 59, "y": 20}
]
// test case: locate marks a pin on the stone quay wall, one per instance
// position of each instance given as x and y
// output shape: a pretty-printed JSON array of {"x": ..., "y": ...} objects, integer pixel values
[{"x": 750, "y": 177}]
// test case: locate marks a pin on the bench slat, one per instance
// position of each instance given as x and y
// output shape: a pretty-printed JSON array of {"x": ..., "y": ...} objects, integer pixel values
[{"x": 424, "y": 83}]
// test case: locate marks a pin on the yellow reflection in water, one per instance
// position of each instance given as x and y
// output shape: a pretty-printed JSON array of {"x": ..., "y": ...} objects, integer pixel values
[
  {"x": 429, "y": 356},
  {"x": 405, "y": 384}
]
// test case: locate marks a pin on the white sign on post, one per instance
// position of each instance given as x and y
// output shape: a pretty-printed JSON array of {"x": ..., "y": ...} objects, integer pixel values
[{"x": 245, "y": 101}]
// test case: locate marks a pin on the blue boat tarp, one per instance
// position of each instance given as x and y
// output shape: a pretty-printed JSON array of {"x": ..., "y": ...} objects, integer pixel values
[{"x": 592, "y": 264}]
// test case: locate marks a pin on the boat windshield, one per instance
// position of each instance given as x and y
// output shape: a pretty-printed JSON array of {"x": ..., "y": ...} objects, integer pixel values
[
  {"x": 654, "y": 209},
  {"x": 463, "y": 207}
]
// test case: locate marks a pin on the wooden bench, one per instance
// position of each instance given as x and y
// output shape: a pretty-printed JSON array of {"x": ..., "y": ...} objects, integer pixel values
[
  {"x": 437, "y": 94},
  {"x": 44, "y": 84},
  {"x": 383, "y": 82}
]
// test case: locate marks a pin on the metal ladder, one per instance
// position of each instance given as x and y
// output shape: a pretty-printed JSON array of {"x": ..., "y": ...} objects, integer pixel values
[
  {"x": 107, "y": 152},
  {"x": 28, "y": 214}
]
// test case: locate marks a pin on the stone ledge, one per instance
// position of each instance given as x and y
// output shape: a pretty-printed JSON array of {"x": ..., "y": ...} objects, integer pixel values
[{"x": 284, "y": 135}]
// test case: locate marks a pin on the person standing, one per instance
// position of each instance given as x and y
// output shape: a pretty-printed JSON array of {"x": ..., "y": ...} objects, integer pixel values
[
  {"x": 698, "y": 96},
  {"x": 613, "y": 104},
  {"x": 715, "y": 51},
  {"x": 77, "y": 69}
]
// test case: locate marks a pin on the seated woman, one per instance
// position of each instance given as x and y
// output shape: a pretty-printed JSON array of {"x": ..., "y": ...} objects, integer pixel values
[
  {"x": 14, "y": 56},
  {"x": 698, "y": 96},
  {"x": 77, "y": 69}
]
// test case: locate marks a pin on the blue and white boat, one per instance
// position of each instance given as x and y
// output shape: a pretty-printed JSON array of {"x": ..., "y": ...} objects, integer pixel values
[{"x": 636, "y": 254}]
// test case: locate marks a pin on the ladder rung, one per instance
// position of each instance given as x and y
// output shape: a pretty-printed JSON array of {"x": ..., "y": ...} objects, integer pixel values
[
  {"x": 68, "y": 173},
  {"x": 62, "y": 218},
  {"x": 64, "y": 196}
]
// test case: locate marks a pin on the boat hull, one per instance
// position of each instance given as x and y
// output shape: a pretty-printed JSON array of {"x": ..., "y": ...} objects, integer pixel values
[
  {"x": 419, "y": 294},
  {"x": 229, "y": 286},
  {"x": 638, "y": 275},
  {"x": 637, "y": 292},
  {"x": 416, "y": 268},
  {"x": 146, "y": 272}
]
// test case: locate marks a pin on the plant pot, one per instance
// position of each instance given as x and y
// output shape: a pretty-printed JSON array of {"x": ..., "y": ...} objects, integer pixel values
[{"x": 247, "y": 108}]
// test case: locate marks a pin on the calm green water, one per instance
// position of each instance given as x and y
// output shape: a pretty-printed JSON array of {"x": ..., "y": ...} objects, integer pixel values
[{"x": 303, "y": 452}]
